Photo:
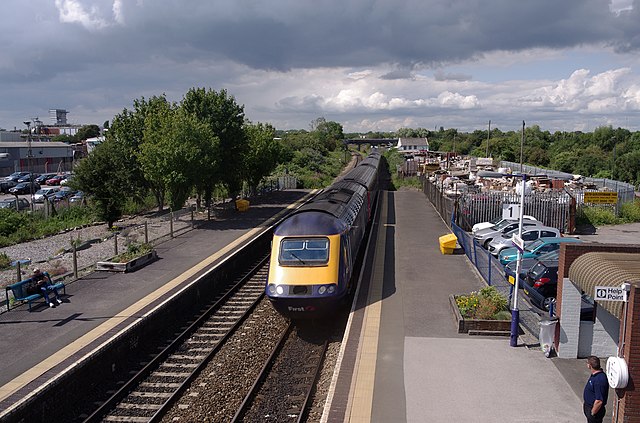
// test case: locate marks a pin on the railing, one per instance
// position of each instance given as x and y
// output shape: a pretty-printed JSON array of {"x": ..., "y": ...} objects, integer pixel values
[{"x": 488, "y": 266}]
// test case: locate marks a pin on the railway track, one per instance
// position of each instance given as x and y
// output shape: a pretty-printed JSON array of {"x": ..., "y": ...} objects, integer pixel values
[
  {"x": 283, "y": 388},
  {"x": 152, "y": 390}
]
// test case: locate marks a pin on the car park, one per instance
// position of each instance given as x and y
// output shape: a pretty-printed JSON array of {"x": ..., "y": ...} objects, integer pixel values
[
  {"x": 542, "y": 284},
  {"x": 536, "y": 248},
  {"x": 528, "y": 234},
  {"x": 16, "y": 204},
  {"x": 485, "y": 236},
  {"x": 24, "y": 188},
  {"x": 28, "y": 177},
  {"x": 485, "y": 225},
  {"x": 44, "y": 193}
]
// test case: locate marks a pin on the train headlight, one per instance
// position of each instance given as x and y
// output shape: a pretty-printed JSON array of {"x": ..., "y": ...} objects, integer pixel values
[
  {"x": 322, "y": 289},
  {"x": 272, "y": 289},
  {"x": 279, "y": 289},
  {"x": 331, "y": 289}
]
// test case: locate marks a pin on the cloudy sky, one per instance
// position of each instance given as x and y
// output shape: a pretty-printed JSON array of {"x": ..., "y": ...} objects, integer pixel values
[{"x": 370, "y": 65}]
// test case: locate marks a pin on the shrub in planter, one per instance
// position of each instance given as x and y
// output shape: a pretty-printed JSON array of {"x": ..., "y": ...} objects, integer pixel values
[
  {"x": 486, "y": 304},
  {"x": 133, "y": 251}
]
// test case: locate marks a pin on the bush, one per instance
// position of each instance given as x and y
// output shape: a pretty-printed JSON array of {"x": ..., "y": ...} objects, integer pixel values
[
  {"x": 597, "y": 216},
  {"x": 134, "y": 250},
  {"x": 486, "y": 303}
]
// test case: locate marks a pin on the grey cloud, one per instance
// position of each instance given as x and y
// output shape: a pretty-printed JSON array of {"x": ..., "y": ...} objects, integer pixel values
[{"x": 439, "y": 75}]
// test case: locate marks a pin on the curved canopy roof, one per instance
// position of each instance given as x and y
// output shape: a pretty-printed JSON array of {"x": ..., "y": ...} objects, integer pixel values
[{"x": 605, "y": 269}]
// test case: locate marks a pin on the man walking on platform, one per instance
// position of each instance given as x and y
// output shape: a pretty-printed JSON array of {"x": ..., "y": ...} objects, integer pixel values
[{"x": 596, "y": 392}]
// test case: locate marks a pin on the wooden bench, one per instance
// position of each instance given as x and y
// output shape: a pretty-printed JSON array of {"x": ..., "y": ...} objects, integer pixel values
[{"x": 19, "y": 291}]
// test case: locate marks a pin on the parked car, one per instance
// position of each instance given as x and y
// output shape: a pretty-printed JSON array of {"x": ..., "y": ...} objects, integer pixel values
[
  {"x": 67, "y": 179},
  {"x": 55, "y": 180},
  {"x": 485, "y": 225},
  {"x": 63, "y": 194},
  {"x": 536, "y": 248},
  {"x": 528, "y": 234},
  {"x": 15, "y": 176},
  {"x": 24, "y": 188},
  {"x": 6, "y": 184},
  {"x": 10, "y": 203},
  {"x": 42, "y": 179},
  {"x": 542, "y": 284},
  {"x": 526, "y": 265},
  {"x": 78, "y": 197},
  {"x": 44, "y": 192},
  {"x": 485, "y": 236},
  {"x": 28, "y": 177}
]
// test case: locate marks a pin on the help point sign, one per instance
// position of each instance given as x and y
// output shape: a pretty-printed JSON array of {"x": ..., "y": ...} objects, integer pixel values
[{"x": 610, "y": 293}]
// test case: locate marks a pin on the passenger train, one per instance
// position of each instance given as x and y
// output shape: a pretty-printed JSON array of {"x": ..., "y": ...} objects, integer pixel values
[{"x": 314, "y": 249}]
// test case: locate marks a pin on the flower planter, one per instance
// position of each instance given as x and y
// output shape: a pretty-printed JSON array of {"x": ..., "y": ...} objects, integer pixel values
[
  {"x": 129, "y": 266},
  {"x": 478, "y": 326}
]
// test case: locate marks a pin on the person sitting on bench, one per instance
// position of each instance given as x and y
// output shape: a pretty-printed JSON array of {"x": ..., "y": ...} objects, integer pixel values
[{"x": 44, "y": 285}]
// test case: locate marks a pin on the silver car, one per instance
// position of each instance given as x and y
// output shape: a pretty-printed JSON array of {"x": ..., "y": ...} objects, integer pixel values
[
  {"x": 528, "y": 234},
  {"x": 485, "y": 236}
]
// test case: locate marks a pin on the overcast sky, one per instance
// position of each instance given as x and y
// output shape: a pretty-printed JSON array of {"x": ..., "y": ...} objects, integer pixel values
[{"x": 370, "y": 65}]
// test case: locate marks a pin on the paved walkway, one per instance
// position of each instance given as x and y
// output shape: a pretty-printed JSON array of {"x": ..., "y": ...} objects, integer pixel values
[{"x": 413, "y": 366}]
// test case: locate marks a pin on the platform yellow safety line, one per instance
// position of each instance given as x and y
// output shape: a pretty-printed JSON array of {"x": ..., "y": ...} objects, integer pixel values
[
  {"x": 10, "y": 387},
  {"x": 365, "y": 372}
]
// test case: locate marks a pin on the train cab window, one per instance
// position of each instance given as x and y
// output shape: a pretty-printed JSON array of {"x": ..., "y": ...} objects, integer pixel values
[{"x": 304, "y": 251}]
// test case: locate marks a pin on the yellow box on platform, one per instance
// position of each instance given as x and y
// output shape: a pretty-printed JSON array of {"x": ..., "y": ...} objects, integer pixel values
[
  {"x": 447, "y": 243},
  {"x": 242, "y": 205}
]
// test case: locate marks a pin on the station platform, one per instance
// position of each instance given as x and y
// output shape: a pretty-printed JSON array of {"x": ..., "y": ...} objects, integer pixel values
[
  {"x": 38, "y": 347},
  {"x": 404, "y": 360}
]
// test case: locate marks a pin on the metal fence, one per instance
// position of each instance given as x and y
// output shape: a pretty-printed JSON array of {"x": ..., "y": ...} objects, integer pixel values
[
  {"x": 554, "y": 208},
  {"x": 488, "y": 266}
]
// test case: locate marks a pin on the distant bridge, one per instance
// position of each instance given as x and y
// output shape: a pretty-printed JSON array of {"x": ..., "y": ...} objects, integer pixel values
[{"x": 370, "y": 141}]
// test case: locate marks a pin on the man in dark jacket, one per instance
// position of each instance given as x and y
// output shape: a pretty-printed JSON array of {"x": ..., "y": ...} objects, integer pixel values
[
  {"x": 44, "y": 285},
  {"x": 596, "y": 392}
]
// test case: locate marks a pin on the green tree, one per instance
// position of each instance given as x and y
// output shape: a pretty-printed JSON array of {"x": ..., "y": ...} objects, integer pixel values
[
  {"x": 87, "y": 131},
  {"x": 225, "y": 118},
  {"x": 264, "y": 153},
  {"x": 103, "y": 177},
  {"x": 171, "y": 152}
]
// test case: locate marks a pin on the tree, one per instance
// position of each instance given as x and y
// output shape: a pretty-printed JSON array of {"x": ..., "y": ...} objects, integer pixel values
[
  {"x": 171, "y": 152},
  {"x": 264, "y": 153},
  {"x": 225, "y": 118},
  {"x": 102, "y": 177},
  {"x": 87, "y": 131}
]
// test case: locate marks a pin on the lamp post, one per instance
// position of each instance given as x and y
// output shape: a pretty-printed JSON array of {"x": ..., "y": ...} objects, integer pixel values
[
  {"x": 29, "y": 155},
  {"x": 515, "y": 312}
]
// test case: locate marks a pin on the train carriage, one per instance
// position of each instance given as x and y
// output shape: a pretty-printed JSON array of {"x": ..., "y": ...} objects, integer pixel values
[{"x": 313, "y": 250}]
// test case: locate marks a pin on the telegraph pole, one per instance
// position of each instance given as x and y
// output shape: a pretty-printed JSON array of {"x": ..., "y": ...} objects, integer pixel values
[
  {"x": 488, "y": 136},
  {"x": 29, "y": 155}
]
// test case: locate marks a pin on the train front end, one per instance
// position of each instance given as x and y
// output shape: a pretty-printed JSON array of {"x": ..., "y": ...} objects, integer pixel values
[{"x": 304, "y": 279}]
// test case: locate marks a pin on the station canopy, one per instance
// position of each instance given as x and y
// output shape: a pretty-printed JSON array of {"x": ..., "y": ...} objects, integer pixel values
[{"x": 605, "y": 269}]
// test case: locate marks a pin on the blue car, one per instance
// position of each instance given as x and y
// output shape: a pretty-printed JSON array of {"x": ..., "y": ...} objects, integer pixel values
[{"x": 535, "y": 248}]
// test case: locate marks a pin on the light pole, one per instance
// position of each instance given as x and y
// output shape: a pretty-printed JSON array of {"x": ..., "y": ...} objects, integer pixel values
[
  {"x": 28, "y": 123},
  {"x": 515, "y": 312}
]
